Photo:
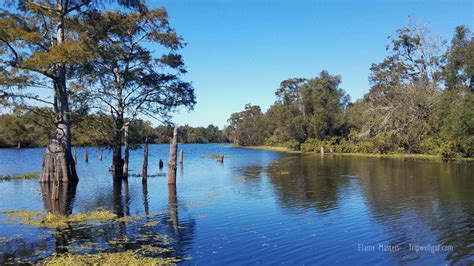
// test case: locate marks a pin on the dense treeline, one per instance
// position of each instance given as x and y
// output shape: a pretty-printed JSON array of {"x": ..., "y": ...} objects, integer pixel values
[
  {"x": 31, "y": 129},
  {"x": 420, "y": 101}
]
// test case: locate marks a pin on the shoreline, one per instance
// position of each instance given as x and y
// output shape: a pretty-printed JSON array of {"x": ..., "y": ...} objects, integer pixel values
[{"x": 405, "y": 156}]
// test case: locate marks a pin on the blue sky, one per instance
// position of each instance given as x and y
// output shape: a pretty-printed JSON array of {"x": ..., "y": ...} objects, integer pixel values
[{"x": 238, "y": 51}]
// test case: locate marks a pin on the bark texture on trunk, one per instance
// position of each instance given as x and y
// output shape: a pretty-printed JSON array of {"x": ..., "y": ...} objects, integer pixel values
[
  {"x": 58, "y": 164},
  {"x": 117, "y": 162},
  {"x": 145, "y": 161},
  {"x": 173, "y": 158},
  {"x": 126, "y": 152}
]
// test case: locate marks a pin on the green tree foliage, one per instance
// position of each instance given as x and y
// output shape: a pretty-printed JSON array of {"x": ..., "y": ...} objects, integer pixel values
[
  {"x": 305, "y": 108},
  {"x": 247, "y": 127},
  {"x": 420, "y": 101},
  {"x": 125, "y": 77}
]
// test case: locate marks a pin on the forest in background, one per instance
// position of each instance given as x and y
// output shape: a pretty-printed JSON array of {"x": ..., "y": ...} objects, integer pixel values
[
  {"x": 30, "y": 129},
  {"x": 420, "y": 101}
]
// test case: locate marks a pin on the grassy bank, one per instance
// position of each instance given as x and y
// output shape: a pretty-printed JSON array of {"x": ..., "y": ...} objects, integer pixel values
[
  {"x": 269, "y": 148},
  {"x": 405, "y": 156},
  {"x": 22, "y": 176}
]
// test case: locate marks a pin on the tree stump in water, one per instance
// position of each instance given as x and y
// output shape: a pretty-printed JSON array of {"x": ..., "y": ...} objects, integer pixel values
[
  {"x": 86, "y": 156},
  {"x": 145, "y": 161},
  {"x": 161, "y": 164},
  {"x": 100, "y": 157},
  {"x": 322, "y": 151},
  {"x": 181, "y": 157},
  {"x": 220, "y": 159},
  {"x": 173, "y": 158}
]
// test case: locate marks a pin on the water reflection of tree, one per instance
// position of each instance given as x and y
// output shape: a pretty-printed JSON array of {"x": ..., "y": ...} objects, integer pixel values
[
  {"x": 64, "y": 203},
  {"x": 249, "y": 177},
  {"x": 415, "y": 200},
  {"x": 161, "y": 230},
  {"x": 302, "y": 182}
]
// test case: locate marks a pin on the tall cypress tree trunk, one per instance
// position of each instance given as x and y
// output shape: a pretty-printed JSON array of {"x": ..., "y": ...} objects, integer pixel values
[
  {"x": 145, "y": 161},
  {"x": 58, "y": 163},
  {"x": 117, "y": 162},
  {"x": 173, "y": 158},
  {"x": 126, "y": 151}
]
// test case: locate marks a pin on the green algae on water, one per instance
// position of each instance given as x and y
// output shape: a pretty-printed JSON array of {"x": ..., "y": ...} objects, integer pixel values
[
  {"x": 21, "y": 176},
  {"x": 118, "y": 258},
  {"x": 39, "y": 219}
]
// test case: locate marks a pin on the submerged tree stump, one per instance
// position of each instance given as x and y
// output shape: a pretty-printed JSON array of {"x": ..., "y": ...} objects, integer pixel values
[
  {"x": 86, "y": 156},
  {"x": 181, "y": 157},
  {"x": 220, "y": 158},
  {"x": 145, "y": 161},
  {"x": 173, "y": 158}
]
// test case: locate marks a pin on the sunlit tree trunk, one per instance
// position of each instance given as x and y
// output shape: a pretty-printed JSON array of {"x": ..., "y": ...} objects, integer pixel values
[
  {"x": 126, "y": 151},
  {"x": 173, "y": 158},
  {"x": 58, "y": 163}
]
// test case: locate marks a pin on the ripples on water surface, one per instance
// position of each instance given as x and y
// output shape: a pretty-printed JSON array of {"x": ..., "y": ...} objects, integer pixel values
[{"x": 257, "y": 207}]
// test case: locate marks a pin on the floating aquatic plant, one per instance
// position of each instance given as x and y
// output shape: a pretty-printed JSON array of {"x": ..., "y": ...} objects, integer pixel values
[
  {"x": 118, "y": 258},
  {"x": 21, "y": 176}
]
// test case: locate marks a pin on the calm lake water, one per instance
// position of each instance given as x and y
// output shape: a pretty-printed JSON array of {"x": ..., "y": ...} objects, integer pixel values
[{"x": 257, "y": 207}]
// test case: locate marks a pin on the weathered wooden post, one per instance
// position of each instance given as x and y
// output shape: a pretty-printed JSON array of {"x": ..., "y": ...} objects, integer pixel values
[
  {"x": 173, "y": 158},
  {"x": 86, "y": 156},
  {"x": 75, "y": 155},
  {"x": 145, "y": 161},
  {"x": 322, "y": 151},
  {"x": 181, "y": 157}
]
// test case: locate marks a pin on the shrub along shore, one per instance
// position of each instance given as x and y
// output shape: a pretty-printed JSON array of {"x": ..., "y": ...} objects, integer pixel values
[{"x": 405, "y": 156}]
